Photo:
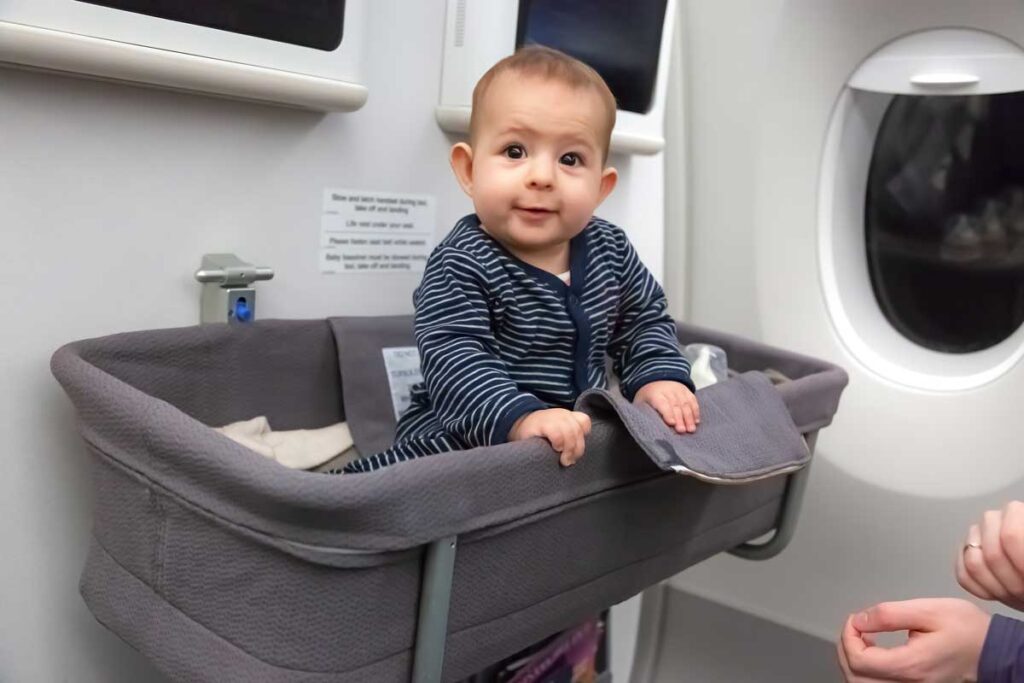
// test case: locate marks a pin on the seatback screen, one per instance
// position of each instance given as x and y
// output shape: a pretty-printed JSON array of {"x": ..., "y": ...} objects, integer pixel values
[
  {"x": 309, "y": 23},
  {"x": 620, "y": 40}
]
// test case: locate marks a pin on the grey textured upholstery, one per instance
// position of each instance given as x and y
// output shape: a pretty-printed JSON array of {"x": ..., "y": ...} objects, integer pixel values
[{"x": 221, "y": 565}]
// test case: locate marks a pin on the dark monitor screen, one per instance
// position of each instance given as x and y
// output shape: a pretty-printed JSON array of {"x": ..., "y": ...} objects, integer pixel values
[
  {"x": 620, "y": 40},
  {"x": 309, "y": 23}
]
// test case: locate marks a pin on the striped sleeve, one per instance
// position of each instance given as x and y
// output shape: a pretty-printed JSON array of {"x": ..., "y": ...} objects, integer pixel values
[
  {"x": 470, "y": 390},
  {"x": 644, "y": 347}
]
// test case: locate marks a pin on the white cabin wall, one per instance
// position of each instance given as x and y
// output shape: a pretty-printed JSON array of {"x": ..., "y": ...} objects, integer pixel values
[
  {"x": 109, "y": 195},
  {"x": 857, "y": 542},
  {"x": 721, "y": 112}
]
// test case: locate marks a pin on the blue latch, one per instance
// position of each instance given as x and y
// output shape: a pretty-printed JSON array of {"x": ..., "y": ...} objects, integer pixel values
[{"x": 243, "y": 313}]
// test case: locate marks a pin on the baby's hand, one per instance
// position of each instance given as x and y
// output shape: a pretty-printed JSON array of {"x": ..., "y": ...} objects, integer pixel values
[
  {"x": 564, "y": 429},
  {"x": 674, "y": 402}
]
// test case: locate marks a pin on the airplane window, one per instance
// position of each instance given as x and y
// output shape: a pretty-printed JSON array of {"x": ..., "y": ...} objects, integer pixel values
[
  {"x": 945, "y": 219},
  {"x": 620, "y": 40},
  {"x": 308, "y": 23}
]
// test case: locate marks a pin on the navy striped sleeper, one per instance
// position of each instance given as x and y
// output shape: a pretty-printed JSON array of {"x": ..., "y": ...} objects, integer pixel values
[{"x": 499, "y": 338}]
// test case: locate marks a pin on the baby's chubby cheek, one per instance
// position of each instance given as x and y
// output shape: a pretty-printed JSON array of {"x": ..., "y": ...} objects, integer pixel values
[{"x": 490, "y": 208}]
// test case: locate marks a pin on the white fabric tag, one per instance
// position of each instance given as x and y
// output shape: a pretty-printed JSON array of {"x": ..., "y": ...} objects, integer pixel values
[{"x": 403, "y": 367}]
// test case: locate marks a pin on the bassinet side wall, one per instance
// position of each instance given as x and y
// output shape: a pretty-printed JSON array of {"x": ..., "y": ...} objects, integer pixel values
[
  {"x": 289, "y": 614},
  {"x": 279, "y": 615},
  {"x": 286, "y": 370}
]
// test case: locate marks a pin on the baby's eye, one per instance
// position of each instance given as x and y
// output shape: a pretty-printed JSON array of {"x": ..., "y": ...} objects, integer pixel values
[
  {"x": 515, "y": 152},
  {"x": 571, "y": 159}
]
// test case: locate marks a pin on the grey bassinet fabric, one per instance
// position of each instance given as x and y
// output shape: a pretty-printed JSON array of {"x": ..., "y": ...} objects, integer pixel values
[
  {"x": 368, "y": 408},
  {"x": 220, "y": 565}
]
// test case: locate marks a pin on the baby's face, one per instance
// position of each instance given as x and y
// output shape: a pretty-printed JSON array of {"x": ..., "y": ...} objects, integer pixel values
[{"x": 538, "y": 169}]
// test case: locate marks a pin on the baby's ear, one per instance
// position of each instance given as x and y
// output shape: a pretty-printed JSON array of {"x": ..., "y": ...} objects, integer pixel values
[
  {"x": 462, "y": 163},
  {"x": 609, "y": 178}
]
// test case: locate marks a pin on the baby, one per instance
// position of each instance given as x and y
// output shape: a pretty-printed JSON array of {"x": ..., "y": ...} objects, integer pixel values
[{"x": 522, "y": 301}]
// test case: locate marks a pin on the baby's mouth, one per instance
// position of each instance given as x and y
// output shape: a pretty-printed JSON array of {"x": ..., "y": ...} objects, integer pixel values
[{"x": 535, "y": 211}]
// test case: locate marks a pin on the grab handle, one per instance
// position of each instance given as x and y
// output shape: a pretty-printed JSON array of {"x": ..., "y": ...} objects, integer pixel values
[{"x": 228, "y": 270}]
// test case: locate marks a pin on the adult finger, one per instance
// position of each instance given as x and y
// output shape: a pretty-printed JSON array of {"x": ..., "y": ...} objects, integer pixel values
[
  {"x": 904, "y": 615},
  {"x": 977, "y": 568},
  {"x": 884, "y": 664},
  {"x": 865, "y": 663},
  {"x": 965, "y": 580},
  {"x": 852, "y": 638},
  {"x": 844, "y": 665},
  {"x": 849, "y": 675},
  {"x": 1012, "y": 534},
  {"x": 995, "y": 558}
]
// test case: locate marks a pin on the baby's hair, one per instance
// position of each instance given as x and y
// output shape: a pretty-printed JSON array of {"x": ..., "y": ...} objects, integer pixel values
[{"x": 545, "y": 62}]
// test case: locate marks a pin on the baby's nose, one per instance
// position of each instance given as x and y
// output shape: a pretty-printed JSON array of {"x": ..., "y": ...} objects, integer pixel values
[{"x": 540, "y": 175}]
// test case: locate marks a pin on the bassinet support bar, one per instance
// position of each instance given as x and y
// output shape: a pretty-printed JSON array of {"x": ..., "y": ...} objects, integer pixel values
[
  {"x": 435, "y": 598},
  {"x": 439, "y": 569},
  {"x": 792, "y": 500}
]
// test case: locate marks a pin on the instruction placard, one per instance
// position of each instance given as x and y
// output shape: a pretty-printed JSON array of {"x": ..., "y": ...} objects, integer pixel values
[
  {"x": 363, "y": 231},
  {"x": 403, "y": 368}
]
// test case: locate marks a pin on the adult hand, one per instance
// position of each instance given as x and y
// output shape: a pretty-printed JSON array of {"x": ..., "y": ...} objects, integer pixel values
[
  {"x": 674, "y": 402},
  {"x": 990, "y": 564},
  {"x": 565, "y": 430},
  {"x": 944, "y": 645}
]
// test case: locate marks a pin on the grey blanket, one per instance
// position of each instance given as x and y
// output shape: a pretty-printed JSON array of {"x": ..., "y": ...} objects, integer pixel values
[{"x": 745, "y": 434}]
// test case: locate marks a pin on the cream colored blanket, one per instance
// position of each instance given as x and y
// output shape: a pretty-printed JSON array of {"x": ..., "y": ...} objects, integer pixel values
[{"x": 300, "y": 449}]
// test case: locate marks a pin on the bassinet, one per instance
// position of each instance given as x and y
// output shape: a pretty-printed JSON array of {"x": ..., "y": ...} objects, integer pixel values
[{"x": 220, "y": 565}]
